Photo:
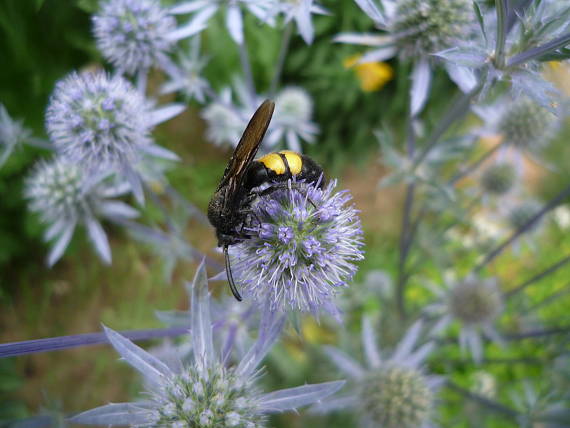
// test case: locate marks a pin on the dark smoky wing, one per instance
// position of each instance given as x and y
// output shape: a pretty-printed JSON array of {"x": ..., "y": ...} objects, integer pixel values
[{"x": 245, "y": 151}]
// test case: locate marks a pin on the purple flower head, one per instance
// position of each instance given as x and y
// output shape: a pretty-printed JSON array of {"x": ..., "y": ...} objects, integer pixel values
[
  {"x": 304, "y": 243},
  {"x": 134, "y": 35},
  {"x": 103, "y": 123}
]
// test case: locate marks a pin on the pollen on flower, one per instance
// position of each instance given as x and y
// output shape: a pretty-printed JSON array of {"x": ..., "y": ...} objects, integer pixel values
[
  {"x": 422, "y": 27},
  {"x": 303, "y": 247},
  {"x": 133, "y": 34},
  {"x": 396, "y": 397}
]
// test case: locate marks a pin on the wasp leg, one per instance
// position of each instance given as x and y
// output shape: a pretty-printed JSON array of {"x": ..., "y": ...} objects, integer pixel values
[{"x": 231, "y": 281}]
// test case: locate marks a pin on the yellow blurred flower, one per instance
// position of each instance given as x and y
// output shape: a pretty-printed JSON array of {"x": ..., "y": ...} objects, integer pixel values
[{"x": 372, "y": 75}]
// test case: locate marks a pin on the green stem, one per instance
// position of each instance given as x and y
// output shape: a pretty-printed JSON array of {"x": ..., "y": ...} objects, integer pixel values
[
  {"x": 285, "y": 42},
  {"x": 502, "y": 12}
]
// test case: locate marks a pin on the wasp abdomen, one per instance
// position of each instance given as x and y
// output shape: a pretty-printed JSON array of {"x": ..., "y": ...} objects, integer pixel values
[{"x": 281, "y": 166}]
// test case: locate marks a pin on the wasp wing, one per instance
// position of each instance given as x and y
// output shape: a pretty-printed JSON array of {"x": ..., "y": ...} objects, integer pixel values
[{"x": 245, "y": 152}]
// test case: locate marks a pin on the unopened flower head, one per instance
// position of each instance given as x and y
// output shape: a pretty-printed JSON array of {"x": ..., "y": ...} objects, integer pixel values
[
  {"x": 475, "y": 301},
  {"x": 396, "y": 397},
  {"x": 526, "y": 125},
  {"x": 56, "y": 190},
  {"x": 134, "y": 34},
  {"x": 422, "y": 27},
  {"x": 63, "y": 196},
  {"x": 103, "y": 122},
  {"x": 292, "y": 120},
  {"x": 225, "y": 125},
  {"x": 204, "y": 391},
  {"x": 302, "y": 250},
  {"x": 520, "y": 214},
  {"x": 498, "y": 179},
  {"x": 391, "y": 392}
]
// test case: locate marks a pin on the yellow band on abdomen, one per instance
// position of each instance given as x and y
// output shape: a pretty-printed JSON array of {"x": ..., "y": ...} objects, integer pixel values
[
  {"x": 273, "y": 162},
  {"x": 294, "y": 160}
]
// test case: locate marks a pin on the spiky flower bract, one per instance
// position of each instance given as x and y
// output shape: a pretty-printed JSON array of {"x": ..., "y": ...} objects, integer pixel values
[
  {"x": 300, "y": 11},
  {"x": 387, "y": 393},
  {"x": 134, "y": 35},
  {"x": 302, "y": 248},
  {"x": 64, "y": 197},
  {"x": 204, "y": 392},
  {"x": 102, "y": 122},
  {"x": 498, "y": 179},
  {"x": 526, "y": 125},
  {"x": 475, "y": 303},
  {"x": 12, "y": 133},
  {"x": 292, "y": 119},
  {"x": 428, "y": 26}
]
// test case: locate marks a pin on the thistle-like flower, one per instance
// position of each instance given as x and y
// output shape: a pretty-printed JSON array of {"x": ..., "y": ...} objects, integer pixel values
[
  {"x": 64, "y": 197},
  {"x": 473, "y": 302},
  {"x": 103, "y": 123},
  {"x": 202, "y": 11},
  {"x": 12, "y": 133},
  {"x": 416, "y": 29},
  {"x": 302, "y": 248},
  {"x": 134, "y": 35},
  {"x": 498, "y": 179},
  {"x": 186, "y": 77},
  {"x": 300, "y": 11},
  {"x": 387, "y": 393},
  {"x": 292, "y": 119},
  {"x": 225, "y": 123},
  {"x": 526, "y": 125},
  {"x": 205, "y": 392}
]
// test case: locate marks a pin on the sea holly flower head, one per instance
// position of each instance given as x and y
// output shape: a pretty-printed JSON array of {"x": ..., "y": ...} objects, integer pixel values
[
  {"x": 187, "y": 76},
  {"x": 420, "y": 27},
  {"x": 473, "y": 302},
  {"x": 519, "y": 214},
  {"x": 416, "y": 29},
  {"x": 303, "y": 243},
  {"x": 134, "y": 35},
  {"x": 224, "y": 123},
  {"x": 498, "y": 178},
  {"x": 393, "y": 392},
  {"x": 526, "y": 125},
  {"x": 204, "y": 392},
  {"x": 102, "y": 123},
  {"x": 64, "y": 196},
  {"x": 292, "y": 119}
]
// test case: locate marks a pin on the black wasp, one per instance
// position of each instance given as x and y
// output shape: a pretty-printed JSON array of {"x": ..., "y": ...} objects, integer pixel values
[{"x": 230, "y": 206}]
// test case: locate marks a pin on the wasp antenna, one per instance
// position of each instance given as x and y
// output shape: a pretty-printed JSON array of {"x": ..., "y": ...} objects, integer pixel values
[{"x": 231, "y": 281}]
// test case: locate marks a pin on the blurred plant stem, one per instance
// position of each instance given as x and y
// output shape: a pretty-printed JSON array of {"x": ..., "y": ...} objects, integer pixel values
[
  {"x": 285, "y": 42},
  {"x": 405, "y": 239},
  {"x": 543, "y": 274},
  {"x": 66, "y": 342},
  {"x": 553, "y": 203},
  {"x": 502, "y": 13},
  {"x": 247, "y": 72},
  {"x": 484, "y": 401},
  {"x": 472, "y": 167}
]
